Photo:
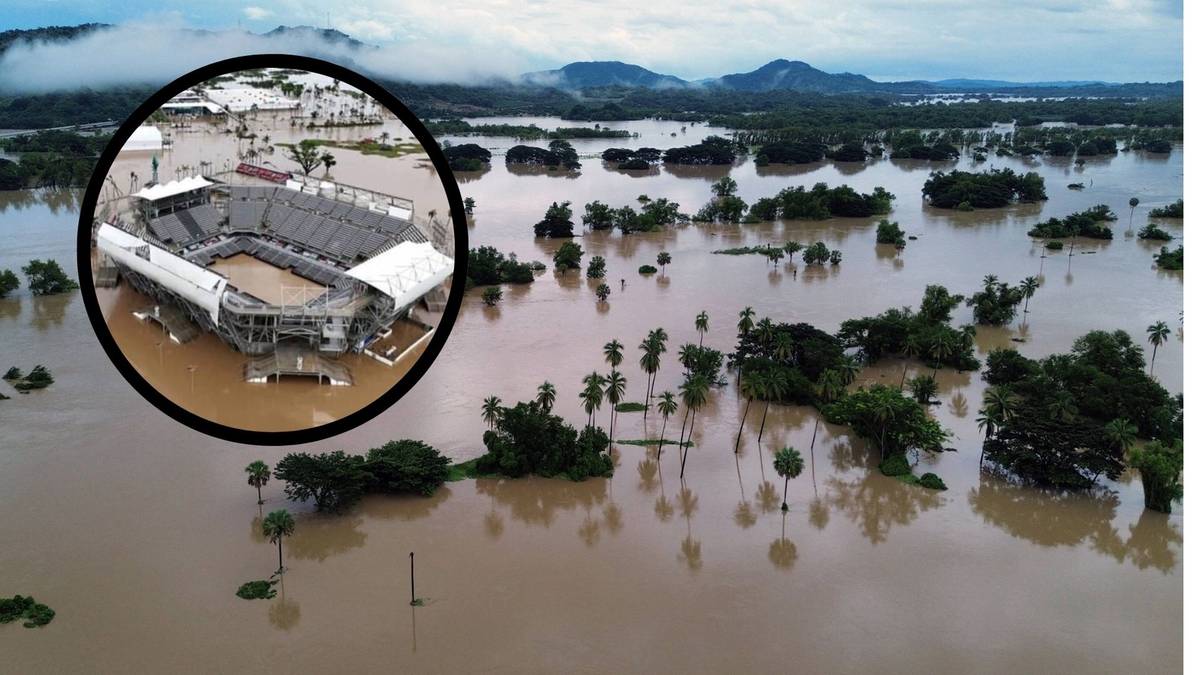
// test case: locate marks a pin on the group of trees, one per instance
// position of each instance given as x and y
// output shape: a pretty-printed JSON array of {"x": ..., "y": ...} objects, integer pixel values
[
  {"x": 309, "y": 155},
  {"x": 926, "y": 334},
  {"x": 887, "y": 232},
  {"x": 655, "y": 215},
  {"x": 51, "y": 159},
  {"x": 467, "y": 157},
  {"x": 8, "y": 283},
  {"x": 44, "y": 277},
  {"x": 632, "y": 160},
  {"x": 37, "y": 378},
  {"x": 1168, "y": 259},
  {"x": 460, "y": 127},
  {"x": 1152, "y": 232},
  {"x": 487, "y": 266},
  {"x": 1172, "y": 210},
  {"x": 1089, "y": 223},
  {"x": 560, "y": 153},
  {"x": 796, "y": 203},
  {"x": 1069, "y": 419},
  {"x": 713, "y": 150},
  {"x": 985, "y": 190},
  {"x": 335, "y": 480},
  {"x": 528, "y": 438},
  {"x": 725, "y": 206},
  {"x": 789, "y": 152},
  {"x": 997, "y": 303}
]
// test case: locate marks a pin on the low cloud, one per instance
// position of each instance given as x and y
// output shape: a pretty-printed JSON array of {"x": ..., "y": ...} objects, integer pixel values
[{"x": 256, "y": 13}]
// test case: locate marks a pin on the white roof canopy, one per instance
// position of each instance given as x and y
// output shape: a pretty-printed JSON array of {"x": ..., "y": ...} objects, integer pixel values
[
  {"x": 175, "y": 187},
  {"x": 186, "y": 278},
  {"x": 405, "y": 272},
  {"x": 144, "y": 138}
]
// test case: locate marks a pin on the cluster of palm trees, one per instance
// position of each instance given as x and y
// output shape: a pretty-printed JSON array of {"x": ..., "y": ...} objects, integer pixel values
[{"x": 277, "y": 524}]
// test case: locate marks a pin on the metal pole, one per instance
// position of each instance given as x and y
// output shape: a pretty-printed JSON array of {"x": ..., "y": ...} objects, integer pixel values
[{"x": 412, "y": 580}]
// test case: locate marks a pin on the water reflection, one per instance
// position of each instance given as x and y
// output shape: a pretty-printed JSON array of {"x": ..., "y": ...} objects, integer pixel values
[
  {"x": 876, "y": 503},
  {"x": 536, "y": 501},
  {"x": 284, "y": 612},
  {"x": 782, "y": 551},
  {"x": 320, "y": 536}
]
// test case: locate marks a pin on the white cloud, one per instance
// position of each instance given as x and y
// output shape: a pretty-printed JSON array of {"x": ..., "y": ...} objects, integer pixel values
[{"x": 256, "y": 13}]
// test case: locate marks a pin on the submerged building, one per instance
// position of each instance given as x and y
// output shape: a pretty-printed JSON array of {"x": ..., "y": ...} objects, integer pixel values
[{"x": 343, "y": 263}]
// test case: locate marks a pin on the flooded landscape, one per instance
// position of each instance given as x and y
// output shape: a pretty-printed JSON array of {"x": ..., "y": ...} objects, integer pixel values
[{"x": 145, "y": 528}]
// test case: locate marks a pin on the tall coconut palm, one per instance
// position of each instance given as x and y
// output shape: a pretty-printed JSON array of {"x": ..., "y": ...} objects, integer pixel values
[
  {"x": 783, "y": 347},
  {"x": 990, "y": 281},
  {"x": 592, "y": 395},
  {"x": 998, "y": 408},
  {"x": 1159, "y": 333},
  {"x": 649, "y": 362},
  {"x": 702, "y": 325},
  {"x": 884, "y": 412},
  {"x": 491, "y": 411},
  {"x": 1133, "y": 202},
  {"x": 1121, "y": 433},
  {"x": 908, "y": 349},
  {"x": 847, "y": 370},
  {"x": 772, "y": 388},
  {"x": 614, "y": 391},
  {"x": 658, "y": 337},
  {"x": 276, "y": 526},
  {"x": 546, "y": 395},
  {"x": 612, "y": 353},
  {"x": 751, "y": 387},
  {"x": 745, "y": 321},
  {"x": 1029, "y": 286},
  {"x": 695, "y": 395},
  {"x": 940, "y": 349},
  {"x": 258, "y": 473},
  {"x": 788, "y": 464},
  {"x": 666, "y": 407}
]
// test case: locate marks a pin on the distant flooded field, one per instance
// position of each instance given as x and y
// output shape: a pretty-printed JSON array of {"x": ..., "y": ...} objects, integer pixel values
[{"x": 144, "y": 528}]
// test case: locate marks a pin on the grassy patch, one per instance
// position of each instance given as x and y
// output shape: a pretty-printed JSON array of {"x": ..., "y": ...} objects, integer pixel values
[
  {"x": 260, "y": 589},
  {"x": 652, "y": 442},
  {"x": 371, "y": 147},
  {"x": 897, "y": 467},
  {"x": 34, "y": 613},
  {"x": 745, "y": 250},
  {"x": 631, "y": 406}
]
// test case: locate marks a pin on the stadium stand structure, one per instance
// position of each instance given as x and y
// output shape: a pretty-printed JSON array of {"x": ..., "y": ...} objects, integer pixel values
[{"x": 371, "y": 261}]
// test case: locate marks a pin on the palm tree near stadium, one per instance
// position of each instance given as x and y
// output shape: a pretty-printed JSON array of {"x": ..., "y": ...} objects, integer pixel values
[
  {"x": 702, "y": 325},
  {"x": 788, "y": 464},
  {"x": 258, "y": 473},
  {"x": 592, "y": 395},
  {"x": 614, "y": 391},
  {"x": 276, "y": 526},
  {"x": 1159, "y": 333},
  {"x": 545, "y": 396},
  {"x": 752, "y": 388},
  {"x": 491, "y": 411},
  {"x": 666, "y": 407}
]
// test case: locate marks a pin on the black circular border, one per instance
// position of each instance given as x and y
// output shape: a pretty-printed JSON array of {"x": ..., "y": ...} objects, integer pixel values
[{"x": 297, "y": 436}]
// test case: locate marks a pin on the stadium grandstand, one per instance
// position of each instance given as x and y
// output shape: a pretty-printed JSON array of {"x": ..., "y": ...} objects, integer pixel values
[{"x": 345, "y": 263}]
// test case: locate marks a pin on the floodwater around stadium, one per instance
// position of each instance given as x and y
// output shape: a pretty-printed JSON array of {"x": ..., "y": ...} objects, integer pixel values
[
  {"x": 144, "y": 529},
  {"x": 205, "y": 376}
]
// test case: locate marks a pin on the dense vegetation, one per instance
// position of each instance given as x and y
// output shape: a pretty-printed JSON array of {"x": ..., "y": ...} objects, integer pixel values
[
  {"x": 926, "y": 335},
  {"x": 529, "y": 439},
  {"x": 467, "y": 157},
  {"x": 712, "y": 150},
  {"x": 655, "y": 215},
  {"x": 32, "y": 613},
  {"x": 997, "y": 303},
  {"x": 1172, "y": 210},
  {"x": 38, "y": 378},
  {"x": 559, "y": 154},
  {"x": 556, "y": 223},
  {"x": 1152, "y": 232},
  {"x": 528, "y": 132},
  {"x": 796, "y": 203},
  {"x": 45, "y": 277},
  {"x": 1089, "y": 223},
  {"x": 50, "y": 159},
  {"x": 1161, "y": 465},
  {"x": 1068, "y": 419},
  {"x": 789, "y": 152},
  {"x": 335, "y": 480},
  {"x": 985, "y": 190},
  {"x": 894, "y": 423},
  {"x": 487, "y": 266},
  {"x": 8, "y": 283},
  {"x": 793, "y": 356},
  {"x": 887, "y": 232},
  {"x": 1168, "y": 259}
]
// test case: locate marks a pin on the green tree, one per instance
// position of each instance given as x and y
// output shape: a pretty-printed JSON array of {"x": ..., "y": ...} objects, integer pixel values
[
  {"x": 258, "y": 473},
  {"x": 1121, "y": 433},
  {"x": 666, "y": 407},
  {"x": 8, "y": 283},
  {"x": 702, "y": 325},
  {"x": 592, "y": 395},
  {"x": 1133, "y": 203},
  {"x": 596, "y": 268},
  {"x": 752, "y": 388},
  {"x": 613, "y": 353},
  {"x": 328, "y": 160},
  {"x": 725, "y": 187},
  {"x": 602, "y": 292},
  {"x": 491, "y": 410},
  {"x": 307, "y": 154},
  {"x": 614, "y": 391},
  {"x": 664, "y": 259},
  {"x": 276, "y": 526},
  {"x": 469, "y": 206},
  {"x": 545, "y": 396},
  {"x": 45, "y": 277},
  {"x": 491, "y": 295},
  {"x": 923, "y": 388},
  {"x": 333, "y": 480},
  {"x": 568, "y": 256},
  {"x": 792, "y": 248},
  {"x": 1160, "y": 466},
  {"x": 695, "y": 395},
  {"x": 773, "y": 384},
  {"x": 745, "y": 321},
  {"x": 1029, "y": 286},
  {"x": 788, "y": 464},
  {"x": 1159, "y": 333},
  {"x": 649, "y": 363}
]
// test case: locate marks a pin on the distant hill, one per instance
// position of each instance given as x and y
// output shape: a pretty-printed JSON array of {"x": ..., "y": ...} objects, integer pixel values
[
  {"x": 784, "y": 74},
  {"x": 48, "y": 33},
  {"x": 990, "y": 85},
  {"x": 583, "y": 74},
  {"x": 326, "y": 34}
]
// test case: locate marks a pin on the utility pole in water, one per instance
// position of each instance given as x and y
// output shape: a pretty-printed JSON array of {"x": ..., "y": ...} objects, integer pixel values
[{"x": 412, "y": 579}]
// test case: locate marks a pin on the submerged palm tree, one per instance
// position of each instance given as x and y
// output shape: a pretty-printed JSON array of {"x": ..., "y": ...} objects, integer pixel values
[
  {"x": 695, "y": 395},
  {"x": 1159, "y": 333},
  {"x": 258, "y": 475},
  {"x": 666, "y": 407},
  {"x": 614, "y": 391},
  {"x": 772, "y": 388},
  {"x": 998, "y": 408},
  {"x": 702, "y": 325},
  {"x": 1029, "y": 285},
  {"x": 788, "y": 464},
  {"x": 751, "y": 388},
  {"x": 745, "y": 321},
  {"x": 612, "y": 353},
  {"x": 940, "y": 350},
  {"x": 276, "y": 526},
  {"x": 592, "y": 395},
  {"x": 1121, "y": 433},
  {"x": 908, "y": 349},
  {"x": 1062, "y": 406},
  {"x": 649, "y": 362},
  {"x": 546, "y": 395},
  {"x": 491, "y": 411},
  {"x": 885, "y": 412}
]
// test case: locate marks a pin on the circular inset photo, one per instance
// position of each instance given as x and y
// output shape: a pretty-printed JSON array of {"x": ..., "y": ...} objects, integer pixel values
[{"x": 277, "y": 249}]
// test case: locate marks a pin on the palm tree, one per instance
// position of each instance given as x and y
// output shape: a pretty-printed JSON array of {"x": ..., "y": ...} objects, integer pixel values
[
  {"x": 940, "y": 349},
  {"x": 592, "y": 395},
  {"x": 745, "y": 321},
  {"x": 491, "y": 411},
  {"x": 792, "y": 248},
  {"x": 612, "y": 353},
  {"x": 990, "y": 281},
  {"x": 772, "y": 387},
  {"x": 1061, "y": 406},
  {"x": 908, "y": 349},
  {"x": 614, "y": 391},
  {"x": 783, "y": 347},
  {"x": 259, "y": 473},
  {"x": 649, "y": 362},
  {"x": 1133, "y": 202},
  {"x": 885, "y": 412},
  {"x": 751, "y": 388},
  {"x": 702, "y": 325},
  {"x": 847, "y": 370},
  {"x": 1158, "y": 333},
  {"x": 695, "y": 395},
  {"x": 545, "y": 396},
  {"x": 276, "y": 526},
  {"x": 666, "y": 407},
  {"x": 1028, "y": 286},
  {"x": 788, "y": 464},
  {"x": 998, "y": 407},
  {"x": 1121, "y": 433}
]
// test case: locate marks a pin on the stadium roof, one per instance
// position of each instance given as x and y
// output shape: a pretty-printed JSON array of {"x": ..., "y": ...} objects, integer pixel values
[
  {"x": 145, "y": 137},
  {"x": 188, "y": 279},
  {"x": 405, "y": 271},
  {"x": 175, "y": 187}
]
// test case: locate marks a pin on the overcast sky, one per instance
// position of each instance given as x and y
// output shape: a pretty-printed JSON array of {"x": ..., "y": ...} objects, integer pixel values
[{"x": 1023, "y": 40}]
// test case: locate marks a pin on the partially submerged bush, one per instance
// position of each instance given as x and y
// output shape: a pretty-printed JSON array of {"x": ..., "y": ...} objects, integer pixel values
[
  {"x": 257, "y": 590},
  {"x": 24, "y": 607},
  {"x": 931, "y": 481},
  {"x": 895, "y": 465}
]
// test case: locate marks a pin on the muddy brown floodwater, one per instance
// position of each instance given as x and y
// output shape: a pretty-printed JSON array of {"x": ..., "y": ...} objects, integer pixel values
[
  {"x": 205, "y": 375},
  {"x": 138, "y": 531}
]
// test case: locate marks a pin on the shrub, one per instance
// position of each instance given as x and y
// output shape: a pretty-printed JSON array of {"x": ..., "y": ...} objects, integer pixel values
[
  {"x": 931, "y": 481},
  {"x": 33, "y": 612},
  {"x": 1153, "y": 233},
  {"x": 1160, "y": 466},
  {"x": 492, "y": 295},
  {"x": 1054, "y": 245},
  {"x": 1173, "y": 210},
  {"x": 647, "y": 269},
  {"x": 895, "y": 465},
  {"x": 887, "y": 232},
  {"x": 257, "y": 590},
  {"x": 1167, "y": 259},
  {"x": 8, "y": 283}
]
